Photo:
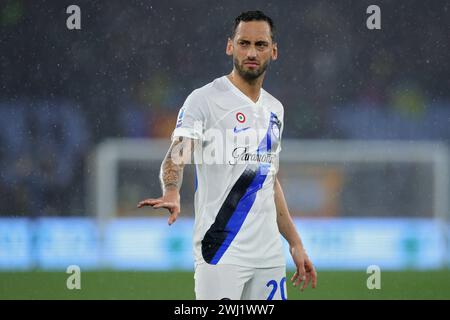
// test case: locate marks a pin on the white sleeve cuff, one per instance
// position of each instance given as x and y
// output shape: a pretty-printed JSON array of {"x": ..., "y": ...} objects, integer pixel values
[{"x": 186, "y": 132}]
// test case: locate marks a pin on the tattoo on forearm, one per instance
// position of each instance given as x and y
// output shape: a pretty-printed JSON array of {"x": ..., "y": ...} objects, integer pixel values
[{"x": 171, "y": 174}]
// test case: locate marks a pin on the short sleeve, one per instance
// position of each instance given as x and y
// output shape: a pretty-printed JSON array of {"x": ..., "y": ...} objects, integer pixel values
[{"x": 191, "y": 118}]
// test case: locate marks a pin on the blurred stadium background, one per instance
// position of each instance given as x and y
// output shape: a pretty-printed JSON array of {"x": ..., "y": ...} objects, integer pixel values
[{"x": 86, "y": 116}]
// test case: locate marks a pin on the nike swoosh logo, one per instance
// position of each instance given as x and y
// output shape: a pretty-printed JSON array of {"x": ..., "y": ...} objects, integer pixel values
[{"x": 236, "y": 130}]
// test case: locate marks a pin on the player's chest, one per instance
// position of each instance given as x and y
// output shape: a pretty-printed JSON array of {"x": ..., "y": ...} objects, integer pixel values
[{"x": 248, "y": 118}]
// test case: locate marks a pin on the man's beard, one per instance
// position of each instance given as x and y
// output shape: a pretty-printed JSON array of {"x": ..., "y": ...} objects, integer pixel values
[{"x": 250, "y": 75}]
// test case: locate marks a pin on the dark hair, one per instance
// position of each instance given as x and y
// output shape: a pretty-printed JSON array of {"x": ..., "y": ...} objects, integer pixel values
[{"x": 253, "y": 16}]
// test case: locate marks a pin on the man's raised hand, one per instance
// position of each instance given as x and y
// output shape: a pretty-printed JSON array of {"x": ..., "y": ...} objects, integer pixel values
[{"x": 170, "y": 201}]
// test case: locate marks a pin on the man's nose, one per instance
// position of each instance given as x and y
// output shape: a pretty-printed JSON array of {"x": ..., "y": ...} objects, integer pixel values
[{"x": 251, "y": 53}]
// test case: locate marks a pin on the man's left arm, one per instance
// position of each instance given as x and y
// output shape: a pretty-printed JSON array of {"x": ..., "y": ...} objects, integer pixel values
[{"x": 305, "y": 269}]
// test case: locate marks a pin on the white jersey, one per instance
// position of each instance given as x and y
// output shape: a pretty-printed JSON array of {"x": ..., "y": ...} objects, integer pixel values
[{"x": 235, "y": 214}]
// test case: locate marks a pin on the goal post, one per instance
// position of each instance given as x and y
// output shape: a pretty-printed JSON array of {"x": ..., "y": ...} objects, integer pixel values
[{"x": 424, "y": 169}]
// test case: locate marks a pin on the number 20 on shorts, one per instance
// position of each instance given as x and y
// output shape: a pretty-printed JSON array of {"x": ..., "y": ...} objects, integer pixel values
[{"x": 274, "y": 285}]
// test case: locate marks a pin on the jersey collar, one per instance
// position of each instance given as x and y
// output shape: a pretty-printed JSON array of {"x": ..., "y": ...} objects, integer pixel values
[{"x": 238, "y": 92}]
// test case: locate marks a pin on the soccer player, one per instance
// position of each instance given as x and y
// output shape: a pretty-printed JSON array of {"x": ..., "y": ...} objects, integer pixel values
[{"x": 240, "y": 209}]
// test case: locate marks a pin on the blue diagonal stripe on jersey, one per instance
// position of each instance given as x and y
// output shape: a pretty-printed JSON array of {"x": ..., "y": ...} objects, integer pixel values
[
  {"x": 243, "y": 208},
  {"x": 195, "y": 181},
  {"x": 266, "y": 143},
  {"x": 236, "y": 207},
  {"x": 218, "y": 232}
]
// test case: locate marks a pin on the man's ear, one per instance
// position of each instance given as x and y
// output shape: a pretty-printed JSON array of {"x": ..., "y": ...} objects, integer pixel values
[
  {"x": 229, "y": 49},
  {"x": 275, "y": 51}
]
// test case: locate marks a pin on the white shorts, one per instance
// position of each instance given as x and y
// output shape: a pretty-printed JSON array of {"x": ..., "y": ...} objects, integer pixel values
[{"x": 225, "y": 281}]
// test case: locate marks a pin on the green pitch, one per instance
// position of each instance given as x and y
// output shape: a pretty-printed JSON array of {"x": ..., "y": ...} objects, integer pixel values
[{"x": 180, "y": 285}]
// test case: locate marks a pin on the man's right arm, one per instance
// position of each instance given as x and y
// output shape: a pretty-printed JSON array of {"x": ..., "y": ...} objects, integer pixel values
[
  {"x": 171, "y": 177},
  {"x": 171, "y": 173}
]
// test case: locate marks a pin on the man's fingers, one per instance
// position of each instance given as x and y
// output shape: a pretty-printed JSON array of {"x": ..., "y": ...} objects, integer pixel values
[
  {"x": 294, "y": 276},
  {"x": 314, "y": 278},
  {"x": 173, "y": 214},
  {"x": 168, "y": 205},
  {"x": 173, "y": 207},
  {"x": 307, "y": 281},
  {"x": 312, "y": 273},
  {"x": 148, "y": 202},
  {"x": 297, "y": 278},
  {"x": 172, "y": 218},
  {"x": 160, "y": 205},
  {"x": 299, "y": 281},
  {"x": 301, "y": 274}
]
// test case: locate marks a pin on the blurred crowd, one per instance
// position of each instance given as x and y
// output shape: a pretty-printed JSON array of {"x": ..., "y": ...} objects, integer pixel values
[{"x": 130, "y": 67}]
